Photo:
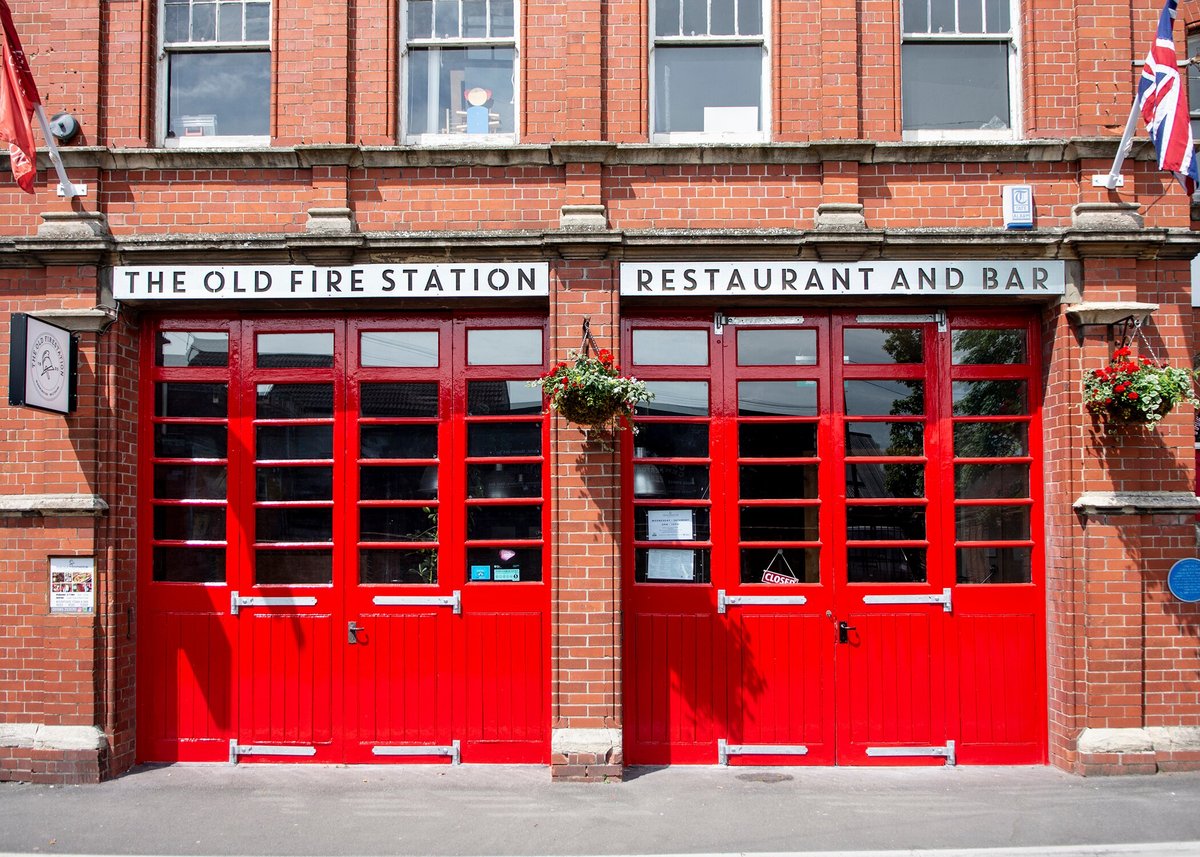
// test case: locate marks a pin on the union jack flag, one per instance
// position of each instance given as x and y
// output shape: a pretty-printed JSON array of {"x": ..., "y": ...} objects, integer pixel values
[{"x": 1163, "y": 104}]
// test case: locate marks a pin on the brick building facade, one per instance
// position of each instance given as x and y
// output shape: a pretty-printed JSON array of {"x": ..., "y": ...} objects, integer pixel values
[{"x": 618, "y": 154}]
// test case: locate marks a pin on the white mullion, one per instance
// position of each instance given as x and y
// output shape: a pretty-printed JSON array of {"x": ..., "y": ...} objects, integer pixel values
[{"x": 708, "y": 17}]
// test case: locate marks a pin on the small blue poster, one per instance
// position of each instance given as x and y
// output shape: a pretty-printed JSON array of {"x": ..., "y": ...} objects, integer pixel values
[
  {"x": 481, "y": 572},
  {"x": 1184, "y": 580}
]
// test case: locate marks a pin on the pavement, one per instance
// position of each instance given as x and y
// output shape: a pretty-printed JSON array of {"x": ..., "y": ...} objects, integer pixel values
[{"x": 251, "y": 809}]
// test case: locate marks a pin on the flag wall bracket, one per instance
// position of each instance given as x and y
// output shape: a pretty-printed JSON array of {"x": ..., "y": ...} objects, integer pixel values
[
  {"x": 1109, "y": 181},
  {"x": 79, "y": 190}
]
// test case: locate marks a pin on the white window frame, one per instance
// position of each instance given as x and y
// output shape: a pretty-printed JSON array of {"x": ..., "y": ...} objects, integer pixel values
[
  {"x": 215, "y": 46},
  {"x": 1191, "y": 43},
  {"x": 460, "y": 139},
  {"x": 1015, "y": 101},
  {"x": 686, "y": 137}
]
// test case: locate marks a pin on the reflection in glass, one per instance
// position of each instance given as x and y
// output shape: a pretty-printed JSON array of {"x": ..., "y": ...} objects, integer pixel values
[
  {"x": 780, "y": 523},
  {"x": 278, "y": 443},
  {"x": 871, "y": 481},
  {"x": 398, "y": 348},
  {"x": 865, "y": 345},
  {"x": 989, "y": 398},
  {"x": 274, "y": 524},
  {"x": 189, "y": 565},
  {"x": 671, "y": 440},
  {"x": 294, "y": 483},
  {"x": 708, "y": 89},
  {"x": 173, "y": 399},
  {"x": 500, "y": 398},
  {"x": 680, "y": 481},
  {"x": 398, "y": 524},
  {"x": 777, "y": 440},
  {"x": 885, "y": 565},
  {"x": 395, "y": 483},
  {"x": 293, "y": 566},
  {"x": 399, "y": 399},
  {"x": 991, "y": 481},
  {"x": 991, "y": 440},
  {"x": 885, "y": 523},
  {"x": 676, "y": 399},
  {"x": 786, "y": 481},
  {"x": 495, "y": 439},
  {"x": 398, "y": 566},
  {"x": 994, "y": 565},
  {"x": 784, "y": 347},
  {"x": 504, "y": 481},
  {"x": 294, "y": 401},
  {"x": 882, "y": 397},
  {"x": 192, "y": 348},
  {"x": 671, "y": 565},
  {"x": 885, "y": 438},
  {"x": 991, "y": 523},
  {"x": 485, "y": 523},
  {"x": 189, "y": 482},
  {"x": 229, "y": 89},
  {"x": 670, "y": 347},
  {"x": 975, "y": 347},
  {"x": 399, "y": 441},
  {"x": 777, "y": 398},
  {"x": 957, "y": 86},
  {"x": 801, "y": 563},
  {"x": 189, "y": 523},
  {"x": 504, "y": 565},
  {"x": 295, "y": 350},
  {"x": 504, "y": 347},
  {"x": 173, "y": 440}
]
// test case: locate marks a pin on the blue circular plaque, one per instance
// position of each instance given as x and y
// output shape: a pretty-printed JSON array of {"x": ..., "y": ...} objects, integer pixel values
[{"x": 1184, "y": 580}]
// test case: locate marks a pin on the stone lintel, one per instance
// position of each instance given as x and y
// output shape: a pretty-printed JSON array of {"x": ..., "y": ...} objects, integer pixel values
[
  {"x": 52, "y": 505},
  {"x": 1137, "y": 503}
]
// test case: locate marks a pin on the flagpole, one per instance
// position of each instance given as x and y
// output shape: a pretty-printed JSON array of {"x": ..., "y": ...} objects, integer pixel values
[
  {"x": 69, "y": 189},
  {"x": 1113, "y": 180}
]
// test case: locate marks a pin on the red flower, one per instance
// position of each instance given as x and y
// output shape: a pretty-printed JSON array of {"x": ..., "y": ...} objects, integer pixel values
[{"x": 1133, "y": 395}]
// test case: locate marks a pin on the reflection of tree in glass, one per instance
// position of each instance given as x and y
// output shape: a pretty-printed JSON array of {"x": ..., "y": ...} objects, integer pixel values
[
  {"x": 905, "y": 346},
  {"x": 974, "y": 347}
]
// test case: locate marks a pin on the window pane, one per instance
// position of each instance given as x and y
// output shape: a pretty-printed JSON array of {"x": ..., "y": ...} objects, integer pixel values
[
  {"x": 988, "y": 347},
  {"x": 398, "y": 566},
  {"x": 885, "y": 523},
  {"x": 990, "y": 440},
  {"x": 294, "y": 442},
  {"x": 502, "y": 18},
  {"x": 204, "y": 22},
  {"x": 445, "y": 18},
  {"x": 666, "y": 17},
  {"x": 670, "y": 347},
  {"x": 671, "y": 440},
  {"x": 294, "y": 350},
  {"x": 398, "y": 348},
  {"x": 293, "y": 566},
  {"x": 683, "y": 525},
  {"x": 398, "y": 524},
  {"x": 916, "y": 16},
  {"x": 404, "y": 399},
  {"x": 439, "y": 79},
  {"x": 409, "y": 441},
  {"x": 998, "y": 20},
  {"x": 488, "y": 439},
  {"x": 970, "y": 16},
  {"x": 681, "y": 481},
  {"x": 676, "y": 398},
  {"x": 189, "y": 565},
  {"x": 802, "y": 563},
  {"x": 474, "y": 22},
  {"x": 882, "y": 397},
  {"x": 504, "y": 481},
  {"x": 721, "y": 22},
  {"x": 258, "y": 22},
  {"x": 777, "y": 440},
  {"x": 504, "y": 522},
  {"x": 229, "y": 22},
  {"x": 789, "y": 481},
  {"x": 955, "y": 86},
  {"x": 901, "y": 481},
  {"x": 189, "y": 441},
  {"x": 504, "y": 565},
  {"x": 495, "y": 398},
  {"x": 779, "y": 524},
  {"x": 420, "y": 19},
  {"x": 750, "y": 17},
  {"x": 294, "y": 401},
  {"x": 196, "y": 348},
  {"x": 991, "y": 481},
  {"x": 190, "y": 400},
  {"x": 671, "y": 565},
  {"x": 397, "y": 483},
  {"x": 989, "y": 398},
  {"x": 885, "y": 439},
  {"x": 513, "y": 347},
  {"x": 293, "y": 525},
  {"x": 794, "y": 347},
  {"x": 708, "y": 89},
  {"x": 994, "y": 565},
  {"x": 991, "y": 523},
  {"x": 777, "y": 398},
  {"x": 189, "y": 482},
  {"x": 176, "y": 17},
  {"x": 294, "y": 483},
  {"x": 885, "y": 565},
  {"x": 189, "y": 523},
  {"x": 695, "y": 17},
  {"x": 227, "y": 93},
  {"x": 874, "y": 345},
  {"x": 941, "y": 15}
]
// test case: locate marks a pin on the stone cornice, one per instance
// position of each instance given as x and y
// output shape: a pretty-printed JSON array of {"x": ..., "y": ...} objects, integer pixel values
[
  {"x": 52, "y": 505},
  {"x": 1137, "y": 503}
]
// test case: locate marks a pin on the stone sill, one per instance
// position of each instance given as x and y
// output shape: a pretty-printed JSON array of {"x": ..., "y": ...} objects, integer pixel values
[
  {"x": 1110, "y": 312},
  {"x": 38, "y": 736},
  {"x": 79, "y": 320},
  {"x": 52, "y": 505},
  {"x": 1161, "y": 739},
  {"x": 1137, "y": 503}
]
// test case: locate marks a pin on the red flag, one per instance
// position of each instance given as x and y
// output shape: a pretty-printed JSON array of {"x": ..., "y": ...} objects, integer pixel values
[{"x": 18, "y": 95}]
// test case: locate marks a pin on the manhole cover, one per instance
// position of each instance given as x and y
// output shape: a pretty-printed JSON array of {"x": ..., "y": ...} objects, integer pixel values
[{"x": 765, "y": 777}]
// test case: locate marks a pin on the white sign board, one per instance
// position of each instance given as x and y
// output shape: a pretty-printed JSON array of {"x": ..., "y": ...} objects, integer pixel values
[
  {"x": 295, "y": 282},
  {"x": 934, "y": 279},
  {"x": 669, "y": 525},
  {"x": 41, "y": 371},
  {"x": 72, "y": 584},
  {"x": 670, "y": 564}
]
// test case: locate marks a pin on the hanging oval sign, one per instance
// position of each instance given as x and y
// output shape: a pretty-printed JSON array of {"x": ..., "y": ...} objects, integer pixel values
[{"x": 1184, "y": 580}]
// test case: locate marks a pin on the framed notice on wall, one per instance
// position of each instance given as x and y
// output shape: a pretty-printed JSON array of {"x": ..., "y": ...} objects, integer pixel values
[
  {"x": 72, "y": 584},
  {"x": 42, "y": 364}
]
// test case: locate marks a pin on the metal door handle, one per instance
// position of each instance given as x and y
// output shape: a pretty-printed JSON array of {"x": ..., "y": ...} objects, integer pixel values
[
  {"x": 844, "y": 630},
  {"x": 352, "y": 631}
]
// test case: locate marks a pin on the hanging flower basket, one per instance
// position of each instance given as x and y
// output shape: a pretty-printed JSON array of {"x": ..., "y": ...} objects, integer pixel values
[
  {"x": 1133, "y": 390},
  {"x": 590, "y": 391}
]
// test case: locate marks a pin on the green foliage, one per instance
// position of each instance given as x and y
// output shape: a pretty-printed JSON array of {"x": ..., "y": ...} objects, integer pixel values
[
  {"x": 1130, "y": 390},
  {"x": 591, "y": 391}
]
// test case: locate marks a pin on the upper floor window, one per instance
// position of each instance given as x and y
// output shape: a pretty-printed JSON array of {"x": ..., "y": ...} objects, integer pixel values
[
  {"x": 1193, "y": 82},
  {"x": 709, "y": 69},
  {"x": 959, "y": 69},
  {"x": 461, "y": 67},
  {"x": 216, "y": 61}
]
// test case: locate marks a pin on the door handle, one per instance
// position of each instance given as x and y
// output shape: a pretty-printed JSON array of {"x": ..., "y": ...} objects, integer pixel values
[
  {"x": 352, "y": 632},
  {"x": 844, "y": 630}
]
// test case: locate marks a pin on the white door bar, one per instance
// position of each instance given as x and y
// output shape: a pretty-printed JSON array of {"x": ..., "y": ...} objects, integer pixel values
[
  {"x": 454, "y": 600},
  {"x": 408, "y": 750},
  {"x": 725, "y": 750},
  {"x": 946, "y": 752},
  {"x": 724, "y": 600},
  {"x": 236, "y": 750},
  {"x": 236, "y": 602},
  {"x": 943, "y": 599}
]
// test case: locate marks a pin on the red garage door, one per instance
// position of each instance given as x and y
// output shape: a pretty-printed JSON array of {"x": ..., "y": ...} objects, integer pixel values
[
  {"x": 343, "y": 552},
  {"x": 832, "y": 554}
]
